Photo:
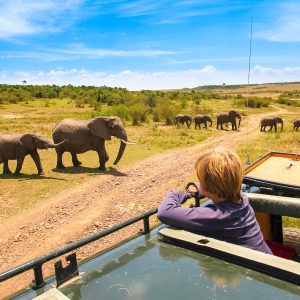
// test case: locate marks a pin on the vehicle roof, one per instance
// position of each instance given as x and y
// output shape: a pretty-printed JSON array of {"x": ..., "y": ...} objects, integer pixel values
[{"x": 149, "y": 268}]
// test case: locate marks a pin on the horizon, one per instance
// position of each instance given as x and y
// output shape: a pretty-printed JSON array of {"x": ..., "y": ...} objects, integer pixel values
[
  {"x": 141, "y": 45},
  {"x": 167, "y": 89}
]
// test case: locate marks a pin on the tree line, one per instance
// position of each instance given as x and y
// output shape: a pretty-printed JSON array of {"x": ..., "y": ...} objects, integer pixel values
[{"x": 137, "y": 106}]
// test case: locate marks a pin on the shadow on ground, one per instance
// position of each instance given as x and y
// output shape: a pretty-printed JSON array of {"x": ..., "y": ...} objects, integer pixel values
[
  {"x": 91, "y": 171},
  {"x": 22, "y": 177}
]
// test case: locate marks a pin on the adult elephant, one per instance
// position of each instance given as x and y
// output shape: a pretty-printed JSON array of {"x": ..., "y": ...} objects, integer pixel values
[
  {"x": 296, "y": 124},
  {"x": 181, "y": 119},
  {"x": 270, "y": 122},
  {"x": 229, "y": 117},
  {"x": 202, "y": 119},
  {"x": 85, "y": 135},
  {"x": 17, "y": 146}
]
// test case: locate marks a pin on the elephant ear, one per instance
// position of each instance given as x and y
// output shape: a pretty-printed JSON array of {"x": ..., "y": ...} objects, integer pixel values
[
  {"x": 100, "y": 127},
  {"x": 27, "y": 141},
  {"x": 234, "y": 113}
]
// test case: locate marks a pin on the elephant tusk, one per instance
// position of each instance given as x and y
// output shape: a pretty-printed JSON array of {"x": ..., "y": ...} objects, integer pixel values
[
  {"x": 56, "y": 145},
  {"x": 128, "y": 142},
  {"x": 133, "y": 142}
]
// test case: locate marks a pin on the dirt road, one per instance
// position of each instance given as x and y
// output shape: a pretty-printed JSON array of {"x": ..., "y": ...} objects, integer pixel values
[{"x": 101, "y": 203}]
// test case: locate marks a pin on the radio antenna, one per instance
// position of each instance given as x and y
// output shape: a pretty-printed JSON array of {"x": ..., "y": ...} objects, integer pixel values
[{"x": 248, "y": 82}]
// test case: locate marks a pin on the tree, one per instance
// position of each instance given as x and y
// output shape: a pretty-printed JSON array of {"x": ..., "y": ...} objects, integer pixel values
[{"x": 165, "y": 110}]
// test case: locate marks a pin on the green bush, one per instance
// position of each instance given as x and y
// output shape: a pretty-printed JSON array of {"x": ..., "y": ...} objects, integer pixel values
[
  {"x": 165, "y": 110},
  {"x": 138, "y": 113},
  {"x": 289, "y": 102}
]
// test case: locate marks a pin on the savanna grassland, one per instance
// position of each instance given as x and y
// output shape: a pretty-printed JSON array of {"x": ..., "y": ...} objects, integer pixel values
[
  {"x": 41, "y": 213},
  {"x": 148, "y": 117}
]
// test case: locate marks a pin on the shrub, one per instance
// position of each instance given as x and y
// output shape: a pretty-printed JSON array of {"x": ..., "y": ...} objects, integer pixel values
[
  {"x": 165, "y": 110},
  {"x": 138, "y": 113}
]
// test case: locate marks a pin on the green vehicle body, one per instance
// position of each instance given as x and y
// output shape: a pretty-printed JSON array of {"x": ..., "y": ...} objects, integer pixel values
[{"x": 149, "y": 268}]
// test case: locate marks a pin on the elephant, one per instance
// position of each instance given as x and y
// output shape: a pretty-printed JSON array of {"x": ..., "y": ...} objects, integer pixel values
[
  {"x": 17, "y": 146},
  {"x": 229, "y": 117},
  {"x": 272, "y": 122},
  {"x": 202, "y": 119},
  {"x": 85, "y": 135},
  {"x": 296, "y": 124},
  {"x": 181, "y": 119}
]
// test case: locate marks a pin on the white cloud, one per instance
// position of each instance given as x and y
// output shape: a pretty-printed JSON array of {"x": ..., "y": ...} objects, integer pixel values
[
  {"x": 266, "y": 74},
  {"x": 170, "y": 12},
  {"x": 82, "y": 51},
  {"x": 206, "y": 70},
  {"x": 134, "y": 80},
  {"x": 286, "y": 24},
  {"x": 141, "y": 7},
  {"x": 76, "y": 52},
  {"x": 18, "y": 17}
]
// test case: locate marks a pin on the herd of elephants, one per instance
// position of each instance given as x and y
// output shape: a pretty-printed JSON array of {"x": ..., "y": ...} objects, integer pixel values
[{"x": 78, "y": 136}]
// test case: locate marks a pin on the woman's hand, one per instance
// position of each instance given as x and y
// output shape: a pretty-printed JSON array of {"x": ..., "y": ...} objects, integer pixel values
[{"x": 192, "y": 189}]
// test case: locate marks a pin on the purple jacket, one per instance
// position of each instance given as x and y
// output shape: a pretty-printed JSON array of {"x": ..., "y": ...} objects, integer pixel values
[{"x": 234, "y": 223}]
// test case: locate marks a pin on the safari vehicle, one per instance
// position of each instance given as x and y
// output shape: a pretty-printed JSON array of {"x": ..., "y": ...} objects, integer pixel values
[{"x": 170, "y": 263}]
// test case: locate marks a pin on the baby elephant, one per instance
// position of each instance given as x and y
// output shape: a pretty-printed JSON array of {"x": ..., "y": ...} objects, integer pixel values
[
  {"x": 17, "y": 146},
  {"x": 296, "y": 124}
]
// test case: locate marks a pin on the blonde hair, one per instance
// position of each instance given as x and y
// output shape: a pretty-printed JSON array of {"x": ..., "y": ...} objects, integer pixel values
[{"x": 220, "y": 172}]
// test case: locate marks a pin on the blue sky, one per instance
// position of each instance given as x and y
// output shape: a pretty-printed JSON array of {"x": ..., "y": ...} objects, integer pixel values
[{"x": 148, "y": 44}]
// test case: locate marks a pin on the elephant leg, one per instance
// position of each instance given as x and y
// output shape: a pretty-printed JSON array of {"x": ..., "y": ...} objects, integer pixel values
[
  {"x": 102, "y": 156},
  {"x": 205, "y": 125},
  {"x": 59, "y": 163},
  {"x": 102, "y": 163},
  {"x": 36, "y": 158},
  {"x": 6, "y": 169},
  {"x": 75, "y": 161},
  {"x": 20, "y": 161},
  {"x": 106, "y": 156},
  {"x": 233, "y": 126}
]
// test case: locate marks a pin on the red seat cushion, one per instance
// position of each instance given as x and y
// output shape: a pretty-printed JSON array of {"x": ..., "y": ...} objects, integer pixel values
[{"x": 281, "y": 250}]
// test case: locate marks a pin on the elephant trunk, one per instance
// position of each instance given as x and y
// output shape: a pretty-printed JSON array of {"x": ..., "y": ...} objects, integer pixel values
[
  {"x": 50, "y": 145},
  {"x": 121, "y": 151},
  {"x": 124, "y": 141}
]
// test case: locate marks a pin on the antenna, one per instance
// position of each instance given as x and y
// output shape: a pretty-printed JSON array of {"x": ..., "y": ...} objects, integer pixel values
[{"x": 249, "y": 71}]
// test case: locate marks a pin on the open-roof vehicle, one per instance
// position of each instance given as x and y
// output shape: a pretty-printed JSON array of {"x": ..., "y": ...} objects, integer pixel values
[{"x": 170, "y": 263}]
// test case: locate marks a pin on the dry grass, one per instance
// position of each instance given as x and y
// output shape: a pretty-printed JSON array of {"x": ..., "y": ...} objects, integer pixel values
[{"x": 20, "y": 193}]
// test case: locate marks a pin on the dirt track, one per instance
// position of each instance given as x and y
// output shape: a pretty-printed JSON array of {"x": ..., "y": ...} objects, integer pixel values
[{"x": 101, "y": 203}]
